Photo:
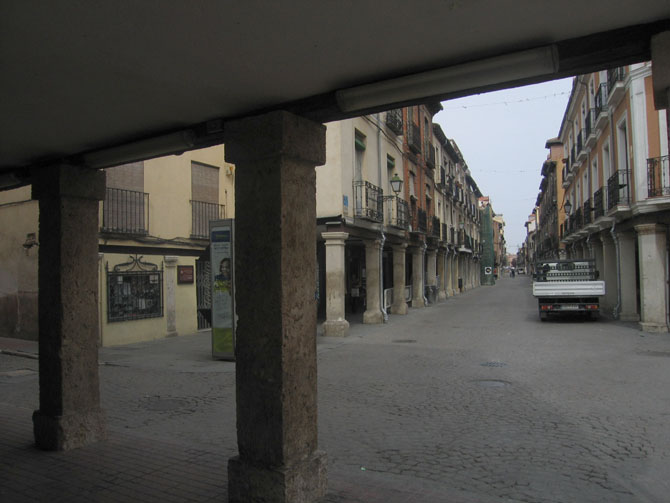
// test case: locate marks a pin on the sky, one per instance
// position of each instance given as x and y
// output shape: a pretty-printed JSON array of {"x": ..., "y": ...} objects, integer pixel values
[{"x": 502, "y": 136}]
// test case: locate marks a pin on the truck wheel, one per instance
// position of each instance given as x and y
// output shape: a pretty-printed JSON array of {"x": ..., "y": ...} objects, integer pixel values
[
  {"x": 594, "y": 316},
  {"x": 544, "y": 316}
]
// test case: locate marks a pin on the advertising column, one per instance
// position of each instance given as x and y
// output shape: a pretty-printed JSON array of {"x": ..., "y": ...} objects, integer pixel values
[{"x": 221, "y": 233}]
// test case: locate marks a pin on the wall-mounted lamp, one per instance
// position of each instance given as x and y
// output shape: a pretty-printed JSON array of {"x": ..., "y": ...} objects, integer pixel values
[
  {"x": 396, "y": 183},
  {"x": 567, "y": 206},
  {"x": 467, "y": 76},
  {"x": 31, "y": 240}
]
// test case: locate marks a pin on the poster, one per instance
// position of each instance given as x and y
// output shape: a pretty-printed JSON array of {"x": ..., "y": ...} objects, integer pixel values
[{"x": 222, "y": 245}]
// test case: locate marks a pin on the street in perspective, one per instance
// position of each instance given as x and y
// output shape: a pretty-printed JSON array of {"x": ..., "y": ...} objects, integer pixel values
[{"x": 469, "y": 400}]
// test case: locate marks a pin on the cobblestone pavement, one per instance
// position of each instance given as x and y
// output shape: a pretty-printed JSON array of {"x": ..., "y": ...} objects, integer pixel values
[{"x": 471, "y": 400}]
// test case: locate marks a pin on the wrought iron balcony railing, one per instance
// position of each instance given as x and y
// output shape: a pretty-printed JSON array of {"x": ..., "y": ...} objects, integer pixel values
[
  {"x": 125, "y": 211},
  {"x": 588, "y": 122},
  {"x": 397, "y": 212},
  {"x": 452, "y": 236},
  {"x": 618, "y": 189},
  {"x": 658, "y": 181},
  {"x": 579, "y": 221},
  {"x": 201, "y": 214},
  {"x": 445, "y": 233},
  {"x": 580, "y": 142},
  {"x": 368, "y": 201},
  {"x": 420, "y": 220},
  {"x": 430, "y": 155},
  {"x": 600, "y": 100},
  {"x": 587, "y": 212},
  {"x": 435, "y": 227},
  {"x": 598, "y": 207},
  {"x": 615, "y": 75},
  {"x": 414, "y": 137},
  {"x": 394, "y": 120}
]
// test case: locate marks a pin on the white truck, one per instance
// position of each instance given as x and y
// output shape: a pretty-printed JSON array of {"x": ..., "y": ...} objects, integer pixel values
[{"x": 567, "y": 286}]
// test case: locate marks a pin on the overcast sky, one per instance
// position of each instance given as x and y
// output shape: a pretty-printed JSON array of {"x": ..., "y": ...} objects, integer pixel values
[{"x": 501, "y": 136}]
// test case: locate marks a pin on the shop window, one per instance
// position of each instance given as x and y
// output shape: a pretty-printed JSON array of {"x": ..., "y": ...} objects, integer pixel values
[{"x": 134, "y": 291}]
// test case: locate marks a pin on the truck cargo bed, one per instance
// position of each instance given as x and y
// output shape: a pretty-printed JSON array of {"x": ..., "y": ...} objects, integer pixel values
[{"x": 568, "y": 288}]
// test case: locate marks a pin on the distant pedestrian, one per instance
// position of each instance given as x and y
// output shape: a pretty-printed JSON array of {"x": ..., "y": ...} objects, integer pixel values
[{"x": 511, "y": 272}]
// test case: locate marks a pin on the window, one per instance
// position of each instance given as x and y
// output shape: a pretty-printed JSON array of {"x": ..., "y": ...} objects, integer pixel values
[
  {"x": 134, "y": 291},
  {"x": 622, "y": 146},
  {"x": 204, "y": 199},
  {"x": 595, "y": 182},
  {"x": 359, "y": 143},
  {"x": 412, "y": 184}
]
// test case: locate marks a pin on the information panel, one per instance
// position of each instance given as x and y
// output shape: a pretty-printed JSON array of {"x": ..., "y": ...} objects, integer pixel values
[{"x": 222, "y": 254}]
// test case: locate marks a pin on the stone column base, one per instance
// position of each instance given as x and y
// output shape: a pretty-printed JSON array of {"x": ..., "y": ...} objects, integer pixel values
[
  {"x": 441, "y": 295},
  {"x": 336, "y": 328},
  {"x": 653, "y": 327},
  {"x": 373, "y": 317},
  {"x": 399, "y": 308},
  {"x": 62, "y": 433},
  {"x": 305, "y": 481},
  {"x": 629, "y": 317}
]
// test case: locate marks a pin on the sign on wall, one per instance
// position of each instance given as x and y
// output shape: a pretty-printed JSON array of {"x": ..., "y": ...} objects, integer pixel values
[
  {"x": 184, "y": 274},
  {"x": 222, "y": 247},
  {"x": 488, "y": 270}
]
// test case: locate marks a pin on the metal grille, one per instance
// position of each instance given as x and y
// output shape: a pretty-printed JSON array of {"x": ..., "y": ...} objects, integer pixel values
[
  {"x": 397, "y": 211},
  {"x": 394, "y": 120},
  {"x": 134, "y": 291},
  {"x": 657, "y": 176},
  {"x": 201, "y": 214},
  {"x": 125, "y": 211},
  {"x": 617, "y": 189},
  {"x": 369, "y": 201},
  {"x": 598, "y": 209}
]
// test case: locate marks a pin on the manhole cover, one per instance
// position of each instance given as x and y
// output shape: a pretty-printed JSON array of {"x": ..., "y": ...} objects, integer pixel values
[
  {"x": 404, "y": 341},
  {"x": 158, "y": 404},
  {"x": 492, "y": 383},
  {"x": 493, "y": 364},
  {"x": 18, "y": 373}
]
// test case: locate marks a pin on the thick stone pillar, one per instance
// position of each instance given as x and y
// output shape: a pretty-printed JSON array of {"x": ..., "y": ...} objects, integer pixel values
[
  {"x": 431, "y": 271},
  {"x": 170, "y": 294},
  {"x": 441, "y": 275},
  {"x": 653, "y": 282},
  {"x": 609, "y": 273},
  {"x": 275, "y": 250},
  {"x": 69, "y": 415},
  {"x": 448, "y": 280},
  {"x": 335, "y": 325},
  {"x": 627, "y": 271},
  {"x": 399, "y": 305},
  {"x": 418, "y": 253},
  {"x": 373, "y": 282}
]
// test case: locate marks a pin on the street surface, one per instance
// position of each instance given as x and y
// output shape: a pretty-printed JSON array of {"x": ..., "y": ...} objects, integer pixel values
[{"x": 470, "y": 400}]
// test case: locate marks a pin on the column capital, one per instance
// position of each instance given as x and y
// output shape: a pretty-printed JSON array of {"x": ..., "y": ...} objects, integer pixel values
[
  {"x": 373, "y": 243},
  {"x": 335, "y": 238},
  {"x": 274, "y": 134},
  {"x": 645, "y": 229},
  {"x": 170, "y": 260},
  {"x": 67, "y": 180},
  {"x": 401, "y": 248}
]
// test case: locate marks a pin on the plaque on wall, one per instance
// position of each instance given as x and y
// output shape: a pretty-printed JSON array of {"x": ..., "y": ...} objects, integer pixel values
[{"x": 184, "y": 274}]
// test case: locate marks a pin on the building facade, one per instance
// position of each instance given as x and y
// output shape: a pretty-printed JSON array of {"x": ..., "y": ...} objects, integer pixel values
[
  {"x": 615, "y": 177},
  {"x": 153, "y": 272},
  {"x": 396, "y": 216}
]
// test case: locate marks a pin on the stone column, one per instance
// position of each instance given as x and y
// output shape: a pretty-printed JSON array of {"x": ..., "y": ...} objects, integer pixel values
[
  {"x": 431, "y": 269},
  {"x": 609, "y": 273},
  {"x": 449, "y": 274},
  {"x": 597, "y": 247},
  {"x": 653, "y": 282},
  {"x": 170, "y": 294},
  {"x": 275, "y": 255},
  {"x": 441, "y": 274},
  {"x": 335, "y": 325},
  {"x": 69, "y": 414},
  {"x": 418, "y": 253},
  {"x": 373, "y": 282},
  {"x": 627, "y": 272},
  {"x": 399, "y": 305}
]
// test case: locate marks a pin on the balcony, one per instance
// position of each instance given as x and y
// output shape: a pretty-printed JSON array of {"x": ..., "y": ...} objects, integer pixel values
[
  {"x": 435, "y": 227},
  {"x": 590, "y": 136},
  {"x": 658, "y": 182},
  {"x": 601, "y": 114},
  {"x": 445, "y": 232},
  {"x": 125, "y": 212},
  {"x": 368, "y": 201},
  {"x": 397, "y": 212},
  {"x": 573, "y": 158},
  {"x": 618, "y": 190},
  {"x": 587, "y": 212},
  {"x": 201, "y": 214},
  {"x": 598, "y": 208},
  {"x": 452, "y": 236},
  {"x": 615, "y": 85},
  {"x": 394, "y": 120},
  {"x": 430, "y": 155},
  {"x": 579, "y": 219},
  {"x": 581, "y": 151},
  {"x": 414, "y": 138},
  {"x": 420, "y": 221}
]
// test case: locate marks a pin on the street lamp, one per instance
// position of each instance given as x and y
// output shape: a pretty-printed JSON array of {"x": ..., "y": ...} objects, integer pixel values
[
  {"x": 567, "y": 206},
  {"x": 396, "y": 183}
]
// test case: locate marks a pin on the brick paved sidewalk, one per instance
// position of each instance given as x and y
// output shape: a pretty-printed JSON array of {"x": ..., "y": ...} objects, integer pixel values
[{"x": 128, "y": 468}]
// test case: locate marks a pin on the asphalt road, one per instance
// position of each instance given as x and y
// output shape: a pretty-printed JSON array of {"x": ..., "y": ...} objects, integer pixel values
[{"x": 473, "y": 396}]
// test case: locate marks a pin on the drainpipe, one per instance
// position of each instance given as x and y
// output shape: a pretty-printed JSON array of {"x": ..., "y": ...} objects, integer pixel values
[
  {"x": 617, "y": 309},
  {"x": 382, "y": 237}
]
